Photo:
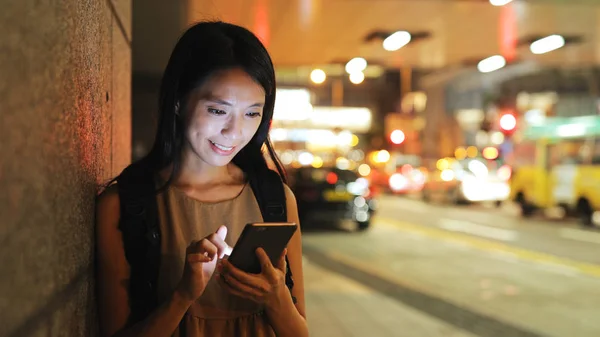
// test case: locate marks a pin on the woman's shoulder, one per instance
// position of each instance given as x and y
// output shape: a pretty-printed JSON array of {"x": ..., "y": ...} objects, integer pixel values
[
  {"x": 108, "y": 200},
  {"x": 289, "y": 194}
]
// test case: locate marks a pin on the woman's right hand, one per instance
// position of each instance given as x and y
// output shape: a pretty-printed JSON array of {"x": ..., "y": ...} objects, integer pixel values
[{"x": 200, "y": 262}]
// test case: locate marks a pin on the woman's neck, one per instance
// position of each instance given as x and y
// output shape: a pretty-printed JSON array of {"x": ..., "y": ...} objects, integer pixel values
[{"x": 195, "y": 172}]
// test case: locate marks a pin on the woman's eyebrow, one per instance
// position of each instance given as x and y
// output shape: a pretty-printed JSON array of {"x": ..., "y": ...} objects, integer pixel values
[{"x": 224, "y": 102}]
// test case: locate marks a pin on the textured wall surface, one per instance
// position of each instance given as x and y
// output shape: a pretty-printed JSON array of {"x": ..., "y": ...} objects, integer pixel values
[{"x": 64, "y": 127}]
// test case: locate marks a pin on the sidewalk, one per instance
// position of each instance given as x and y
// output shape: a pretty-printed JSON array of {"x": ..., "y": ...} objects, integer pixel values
[{"x": 338, "y": 306}]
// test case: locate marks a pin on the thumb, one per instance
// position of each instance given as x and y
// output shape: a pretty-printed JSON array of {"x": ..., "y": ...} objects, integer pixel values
[{"x": 281, "y": 265}]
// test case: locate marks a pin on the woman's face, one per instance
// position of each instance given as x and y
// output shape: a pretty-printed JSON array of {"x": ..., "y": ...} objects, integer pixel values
[{"x": 223, "y": 116}]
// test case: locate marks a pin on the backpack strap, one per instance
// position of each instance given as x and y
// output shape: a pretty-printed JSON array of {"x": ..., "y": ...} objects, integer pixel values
[
  {"x": 141, "y": 238},
  {"x": 269, "y": 191}
]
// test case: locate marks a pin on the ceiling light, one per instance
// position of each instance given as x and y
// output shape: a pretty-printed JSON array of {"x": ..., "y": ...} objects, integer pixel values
[
  {"x": 357, "y": 77},
  {"x": 491, "y": 63},
  {"x": 547, "y": 44},
  {"x": 318, "y": 76},
  {"x": 357, "y": 64},
  {"x": 500, "y": 2},
  {"x": 396, "y": 41}
]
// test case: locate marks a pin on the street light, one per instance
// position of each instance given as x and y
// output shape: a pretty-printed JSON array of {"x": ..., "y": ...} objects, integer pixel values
[{"x": 397, "y": 137}]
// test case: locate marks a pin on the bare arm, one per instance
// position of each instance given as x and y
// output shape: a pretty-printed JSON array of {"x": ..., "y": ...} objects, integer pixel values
[
  {"x": 286, "y": 318},
  {"x": 113, "y": 281}
]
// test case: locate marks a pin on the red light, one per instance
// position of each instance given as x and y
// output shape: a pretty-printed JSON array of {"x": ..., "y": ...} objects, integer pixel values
[
  {"x": 504, "y": 172},
  {"x": 508, "y": 122},
  {"x": 397, "y": 137},
  {"x": 406, "y": 169},
  {"x": 332, "y": 178}
]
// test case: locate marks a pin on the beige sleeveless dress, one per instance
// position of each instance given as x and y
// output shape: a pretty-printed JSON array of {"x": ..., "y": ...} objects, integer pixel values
[{"x": 183, "y": 220}]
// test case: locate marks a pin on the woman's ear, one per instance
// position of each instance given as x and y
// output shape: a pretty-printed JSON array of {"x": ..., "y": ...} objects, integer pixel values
[{"x": 177, "y": 105}]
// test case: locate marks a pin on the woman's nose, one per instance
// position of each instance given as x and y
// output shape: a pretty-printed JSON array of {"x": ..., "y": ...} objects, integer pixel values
[{"x": 233, "y": 129}]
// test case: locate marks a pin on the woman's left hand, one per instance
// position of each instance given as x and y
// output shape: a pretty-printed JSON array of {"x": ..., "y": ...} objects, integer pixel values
[{"x": 265, "y": 288}]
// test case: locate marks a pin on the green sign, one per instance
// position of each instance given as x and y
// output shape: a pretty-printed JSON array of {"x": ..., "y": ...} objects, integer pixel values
[{"x": 564, "y": 127}]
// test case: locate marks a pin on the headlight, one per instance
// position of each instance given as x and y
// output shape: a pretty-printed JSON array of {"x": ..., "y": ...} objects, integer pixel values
[{"x": 358, "y": 187}]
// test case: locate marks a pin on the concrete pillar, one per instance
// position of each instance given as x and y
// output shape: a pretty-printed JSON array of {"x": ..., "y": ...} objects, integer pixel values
[{"x": 64, "y": 128}]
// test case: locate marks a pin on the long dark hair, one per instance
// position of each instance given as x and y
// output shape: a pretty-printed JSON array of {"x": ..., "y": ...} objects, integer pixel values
[{"x": 202, "y": 50}]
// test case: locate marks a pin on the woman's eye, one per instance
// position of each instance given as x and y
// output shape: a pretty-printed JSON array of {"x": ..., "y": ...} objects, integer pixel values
[
  {"x": 216, "y": 111},
  {"x": 254, "y": 114}
]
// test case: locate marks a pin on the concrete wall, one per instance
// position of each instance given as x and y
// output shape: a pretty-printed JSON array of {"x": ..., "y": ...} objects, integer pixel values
[{"x": 65, "y": 126}]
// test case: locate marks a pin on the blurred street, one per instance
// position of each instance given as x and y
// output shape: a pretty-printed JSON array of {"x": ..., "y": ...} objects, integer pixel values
[{"x": 432, "y": 270}]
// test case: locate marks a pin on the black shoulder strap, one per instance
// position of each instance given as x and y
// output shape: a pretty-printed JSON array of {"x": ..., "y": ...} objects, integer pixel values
[
  {"x": 141, "y": 238},
  {"x": 269, "y": 191}
]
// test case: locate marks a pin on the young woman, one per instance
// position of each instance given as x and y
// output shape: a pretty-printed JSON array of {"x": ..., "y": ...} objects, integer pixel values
[{"x": 216, "y": 104}]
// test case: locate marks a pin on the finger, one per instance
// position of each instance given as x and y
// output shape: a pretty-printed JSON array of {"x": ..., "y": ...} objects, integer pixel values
[
  {"x": 217, "y": 239},
  {"x": 252, "y": 280},
  {"x": 234, "y": 291},
  {"x": 222, "y": 232},
  {"x": 265, "y": 262},
  {"x": 235, "y": 284},
  {"x": 281, "y": 265},
  {"x": 204, "y": 247},
  {"x": 198, "y": 258}
]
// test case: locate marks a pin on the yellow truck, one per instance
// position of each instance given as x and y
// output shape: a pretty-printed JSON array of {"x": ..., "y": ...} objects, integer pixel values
[{"x": 556, "y": 167}]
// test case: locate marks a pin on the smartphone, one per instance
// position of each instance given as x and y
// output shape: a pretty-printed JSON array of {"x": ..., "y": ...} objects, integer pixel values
[{"x": 272, "y": 237}]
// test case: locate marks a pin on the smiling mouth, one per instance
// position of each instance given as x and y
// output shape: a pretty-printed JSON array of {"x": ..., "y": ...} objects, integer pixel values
[{"x": 222, "y": 147}]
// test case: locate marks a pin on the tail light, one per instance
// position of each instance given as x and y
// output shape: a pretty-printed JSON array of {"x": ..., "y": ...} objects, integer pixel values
[{"x": 332, "y": 178}]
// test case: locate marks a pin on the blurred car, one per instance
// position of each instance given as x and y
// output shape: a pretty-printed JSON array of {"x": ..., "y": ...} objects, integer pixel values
[
  {"x": 468, "y": 181},
  {"x": 330, "y": 195}
]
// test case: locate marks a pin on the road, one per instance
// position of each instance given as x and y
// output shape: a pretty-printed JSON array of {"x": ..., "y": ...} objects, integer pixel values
[{"x": 433, "y": 270}]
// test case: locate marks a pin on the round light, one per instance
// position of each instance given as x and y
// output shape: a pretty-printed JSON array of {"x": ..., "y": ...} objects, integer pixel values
[
  {"x": 317, "y": 162},
  {"x": 497, "y": 138},
  {"x": 397, "y": 137},
  {"x": 342, "y": 163},
  {"x": 318, "y": 76},
  {"x": 364, "y": 170},
  {"x": 286, "y": 158},
  {"x": 442, "y": 164},
  {"x": 490, "y": 153},
  {"x": 305, "y": 158},
  {"x": 344, "y": 138},
  {"x": 357, "y": 77},
  {"x": 460, "y": 153},
  {"x": 447, "y": 175},
  {"x": 357, "y": 64},
  {"x": 508, "y": 122},
  {"x": 472, "y": 152},
  {"x": 383, "y": 156},
  {"x": 398, "y": 182}
]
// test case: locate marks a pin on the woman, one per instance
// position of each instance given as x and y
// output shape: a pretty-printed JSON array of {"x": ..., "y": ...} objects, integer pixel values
[{"x": 216, "y": 105}]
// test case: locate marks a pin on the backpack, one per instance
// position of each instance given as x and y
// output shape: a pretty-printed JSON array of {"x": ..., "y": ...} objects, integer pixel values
[{"x": 141, "y": 232}]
